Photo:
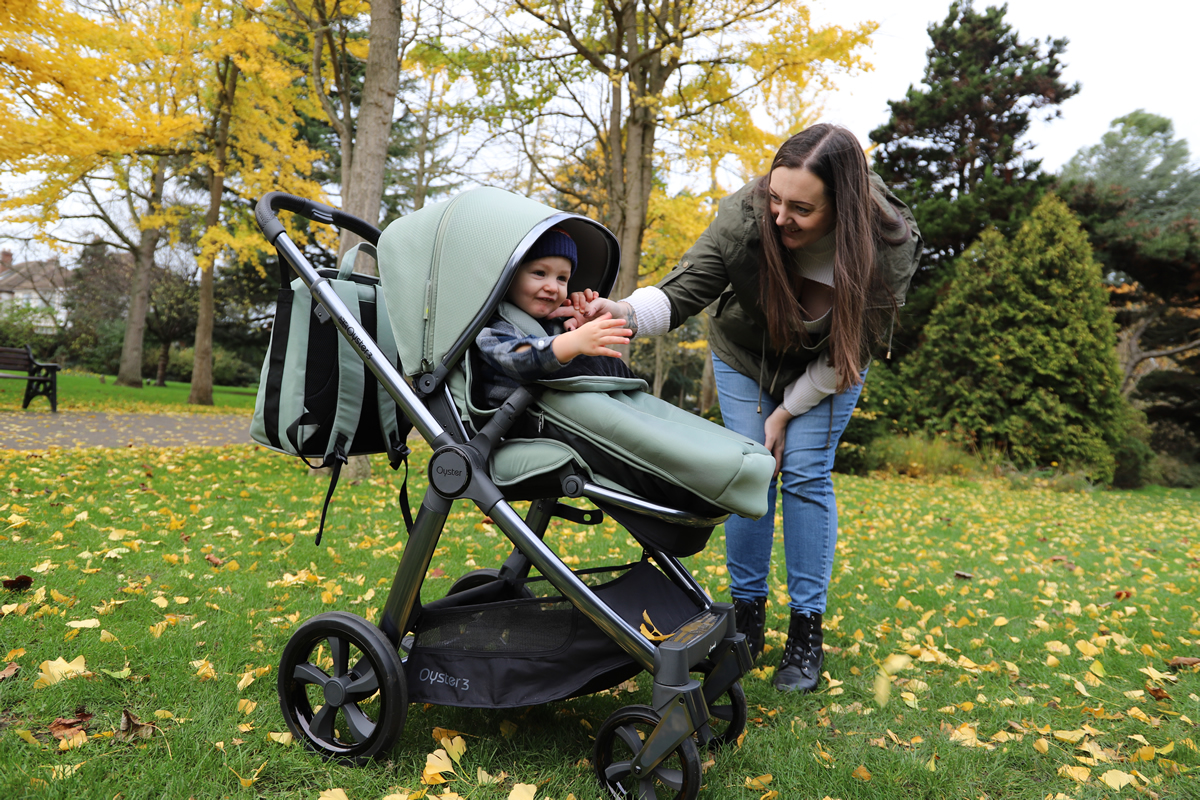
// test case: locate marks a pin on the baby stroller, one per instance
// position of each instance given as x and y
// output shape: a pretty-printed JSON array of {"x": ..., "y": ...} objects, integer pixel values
[{"x": 534, "y": 630}]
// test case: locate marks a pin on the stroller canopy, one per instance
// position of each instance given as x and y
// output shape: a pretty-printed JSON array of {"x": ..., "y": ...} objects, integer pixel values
[{"x": 445, "y": 268}]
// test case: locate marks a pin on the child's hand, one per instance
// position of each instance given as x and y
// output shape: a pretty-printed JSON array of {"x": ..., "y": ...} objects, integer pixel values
[
  {"x": 573, "y": 318},
  {"x": 585, "y": 306},
  {"x": 592, "y": 339}
]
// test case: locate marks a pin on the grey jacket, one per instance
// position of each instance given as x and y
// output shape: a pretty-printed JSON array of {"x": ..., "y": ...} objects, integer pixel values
[{"x": 723, "y": 267}]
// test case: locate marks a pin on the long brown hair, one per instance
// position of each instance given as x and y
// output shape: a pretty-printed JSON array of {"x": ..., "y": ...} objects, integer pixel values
[{"x": 832, "y": 154}]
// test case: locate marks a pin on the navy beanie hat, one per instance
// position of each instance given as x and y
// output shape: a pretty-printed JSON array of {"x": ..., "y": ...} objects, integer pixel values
[{"x": 554, "y": 242}]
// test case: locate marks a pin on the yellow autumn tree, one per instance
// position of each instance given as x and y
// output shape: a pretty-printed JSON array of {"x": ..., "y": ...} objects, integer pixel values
[
  {"x": 97, "y": 143},
  {"x": 641, "y": 80},
  {"x": 248, "y": 98},
  {"x": 112, "y": 112}
]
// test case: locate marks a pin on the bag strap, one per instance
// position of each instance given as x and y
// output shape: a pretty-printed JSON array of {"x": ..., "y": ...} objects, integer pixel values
[
  {"x": 347, "y": 266},
  {"x": 392, "y": 422},
  {"x": 352, "y": 379}
]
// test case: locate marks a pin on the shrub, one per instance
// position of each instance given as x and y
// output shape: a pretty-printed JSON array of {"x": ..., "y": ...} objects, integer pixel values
[
  {"x": 1056, "y": 480},
  {"x": 1133, "y": 456},
  {"x": 228, "y": 369},
  {"x": 1020, "y": 352},
  {"x": 18, "y": 326},
  {"x": 97, "y": 349},
  {"x": 879, "y": 413},
  {"x": 920, "y": 455},
  {"x": 1175, "y": 472}
]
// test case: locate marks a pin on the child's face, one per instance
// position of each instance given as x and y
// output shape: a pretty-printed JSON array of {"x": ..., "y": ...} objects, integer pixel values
[{"x": 540, "y": 285}]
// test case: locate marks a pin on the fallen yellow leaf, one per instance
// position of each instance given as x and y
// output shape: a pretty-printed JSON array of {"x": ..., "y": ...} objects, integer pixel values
[
  {"x": 455, "y": 748},
  {"x": 60, "y": 771},
  {"x": 333, "y": 794},
  {"x": 71, "y": 742},
  {"x": 59, "y": 670},
  {"x": 248, "y": 782},
  {"x": 1079, "y": 774},
  {"x": 284, "y": 738},
  {"x": 1042, "y": 746},
  {"x": 862, "y": 773},
  {"x": 84, "y": 623},
  {"x": 1115, "y": 779},
  {"x": 760, "y": 782},
  {"x": 523, "y": 791}
]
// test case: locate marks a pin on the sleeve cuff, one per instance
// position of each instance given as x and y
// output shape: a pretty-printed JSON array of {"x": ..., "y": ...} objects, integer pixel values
[
  {"x": 653, "y": 310},
  {"x": 818, "y": 382}
]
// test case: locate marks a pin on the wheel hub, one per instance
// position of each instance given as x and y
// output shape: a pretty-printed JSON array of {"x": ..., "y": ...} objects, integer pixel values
[{"x": 335, "y": 693}]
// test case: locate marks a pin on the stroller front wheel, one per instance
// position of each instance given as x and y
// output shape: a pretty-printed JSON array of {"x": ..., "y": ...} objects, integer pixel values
[
  {"x": 621, "y": 737},
  {"x": 342, "y": 689}
]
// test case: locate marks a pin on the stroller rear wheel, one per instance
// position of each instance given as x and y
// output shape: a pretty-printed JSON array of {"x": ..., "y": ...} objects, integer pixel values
[
  {"x": 342, "y": 688},
  {"x": 622, "y": 737}
]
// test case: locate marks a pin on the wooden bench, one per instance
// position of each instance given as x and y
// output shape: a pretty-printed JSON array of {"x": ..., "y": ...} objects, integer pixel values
[{"x": 42, "y": 379}]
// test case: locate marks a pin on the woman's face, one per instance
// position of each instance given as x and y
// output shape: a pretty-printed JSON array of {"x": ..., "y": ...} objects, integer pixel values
[{"x": 799, "y": 206}]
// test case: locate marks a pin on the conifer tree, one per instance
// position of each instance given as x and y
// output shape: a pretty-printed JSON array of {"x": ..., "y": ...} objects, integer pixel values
[
  {"x": 1019, "y": 353},
  {"x": 955, "y": 147}
]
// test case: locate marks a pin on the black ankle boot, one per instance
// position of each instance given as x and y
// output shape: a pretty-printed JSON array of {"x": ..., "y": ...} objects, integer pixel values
[
  {"x": 750, "y": 617},
  {"x": 800, "y": 668}
]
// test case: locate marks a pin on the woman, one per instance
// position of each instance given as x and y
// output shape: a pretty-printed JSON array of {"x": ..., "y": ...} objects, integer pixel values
[{"x": 807, "y": 266}]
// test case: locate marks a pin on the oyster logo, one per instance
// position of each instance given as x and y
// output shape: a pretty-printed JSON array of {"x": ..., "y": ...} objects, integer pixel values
[
  {"x": 353, "y": 334},
  {"x": 440, "y": 470},
  {"x": 432, "y": 678}
]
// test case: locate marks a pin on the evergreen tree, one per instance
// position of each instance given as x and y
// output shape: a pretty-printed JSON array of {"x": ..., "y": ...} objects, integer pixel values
[
  {"x": 1139, "y": 199},
  {"x": 954, "y": 148},
  {"x": 1019, "y": 353}
]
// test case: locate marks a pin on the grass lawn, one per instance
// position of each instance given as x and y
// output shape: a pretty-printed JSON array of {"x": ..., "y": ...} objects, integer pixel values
[
  {"x": 982, "y": 642},
  {"x": 83, "y": 391}
]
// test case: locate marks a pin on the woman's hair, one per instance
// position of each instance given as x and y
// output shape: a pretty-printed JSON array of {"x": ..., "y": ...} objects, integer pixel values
[{"x": 832, "y": 154}]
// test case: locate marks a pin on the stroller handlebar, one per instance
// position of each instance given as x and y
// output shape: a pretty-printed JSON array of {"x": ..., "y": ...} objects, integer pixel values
[{"x": 268, "y": 222}]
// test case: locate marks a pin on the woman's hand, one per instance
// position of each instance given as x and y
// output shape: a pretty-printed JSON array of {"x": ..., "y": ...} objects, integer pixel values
[
  {"x": 776, "y": 434},
  {"x": 592, "y": 339},
  {"x": 584, "y": 307}
]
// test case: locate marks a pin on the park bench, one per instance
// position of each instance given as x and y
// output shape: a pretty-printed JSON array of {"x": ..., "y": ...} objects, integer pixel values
[{"x": 42, "y": 379}]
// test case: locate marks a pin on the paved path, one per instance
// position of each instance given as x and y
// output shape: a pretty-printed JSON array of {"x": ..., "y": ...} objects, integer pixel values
[{"x": 31, "y": 430}]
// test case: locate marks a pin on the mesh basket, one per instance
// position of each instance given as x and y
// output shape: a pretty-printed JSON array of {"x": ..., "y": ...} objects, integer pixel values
[{"x": 534, "y": 650}]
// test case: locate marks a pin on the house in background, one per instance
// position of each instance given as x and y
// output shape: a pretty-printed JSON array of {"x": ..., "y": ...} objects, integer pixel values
[{"x": 35, "y": 284}]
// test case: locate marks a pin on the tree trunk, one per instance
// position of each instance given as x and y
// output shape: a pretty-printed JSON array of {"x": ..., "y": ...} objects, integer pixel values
[
  {"x": 201, "y": 393},
  {"x": 708, "y": 385},
  {"x": 164, "y": 355},
  {"x": 363, "y": 195},
  {"x": 130, "y": 371},
  {"x": 660, "y": 372}
]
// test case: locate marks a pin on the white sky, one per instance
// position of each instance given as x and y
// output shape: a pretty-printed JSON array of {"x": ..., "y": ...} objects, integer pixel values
[{"x": 1126, "y": 55}]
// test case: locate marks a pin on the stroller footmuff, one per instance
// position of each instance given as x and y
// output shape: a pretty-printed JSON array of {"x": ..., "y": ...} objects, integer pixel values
[{"x": 534, "y": 630}]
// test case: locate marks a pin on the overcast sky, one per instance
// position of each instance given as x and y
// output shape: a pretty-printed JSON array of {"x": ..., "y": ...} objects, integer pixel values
[{"x": 1126, "y": 55}]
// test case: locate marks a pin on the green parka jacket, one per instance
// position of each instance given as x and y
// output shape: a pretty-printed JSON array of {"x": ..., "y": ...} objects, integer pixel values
[{"x": 723, "y": 266}]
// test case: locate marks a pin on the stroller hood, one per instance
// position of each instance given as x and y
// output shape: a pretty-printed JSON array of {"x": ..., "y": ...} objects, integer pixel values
[{"x": 445, "y": 268}]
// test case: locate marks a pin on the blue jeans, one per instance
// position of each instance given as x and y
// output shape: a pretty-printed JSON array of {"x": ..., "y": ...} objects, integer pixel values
[{"x": 809, "y": 507}]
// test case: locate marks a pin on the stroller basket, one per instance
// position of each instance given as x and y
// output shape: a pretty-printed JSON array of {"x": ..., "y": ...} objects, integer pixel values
[
  {"x": 534, "y": 630},
  {"x": 496, "y": 653}
]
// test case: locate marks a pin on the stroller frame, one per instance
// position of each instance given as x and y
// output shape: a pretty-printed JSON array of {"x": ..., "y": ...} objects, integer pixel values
[{"x": 658, "y": 743}]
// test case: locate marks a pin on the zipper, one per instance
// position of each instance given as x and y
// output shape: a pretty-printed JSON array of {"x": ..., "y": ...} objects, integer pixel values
[{"x": 431, "y": 286}]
